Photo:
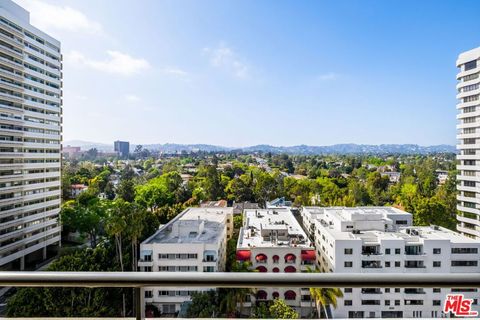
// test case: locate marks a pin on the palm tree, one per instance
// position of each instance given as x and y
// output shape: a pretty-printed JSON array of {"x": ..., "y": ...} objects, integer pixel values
[
  {"x": 115, "y": 226},
  {"x": 324, "y": 297},
  {"x": 235, "y": 297},
  {"x": 135, "y": 222}
]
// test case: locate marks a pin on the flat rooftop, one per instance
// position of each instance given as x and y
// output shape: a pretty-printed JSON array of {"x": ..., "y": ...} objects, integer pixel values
[
  {"x": 346, "y": 213},
  {"x": 275, "y": 227},
  {"x": 193, "y": 225},
  {"x": 412, "y": 234}
]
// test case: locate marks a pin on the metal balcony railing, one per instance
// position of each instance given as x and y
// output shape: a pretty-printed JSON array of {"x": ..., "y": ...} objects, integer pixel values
[{"x": 139, "y": 280}]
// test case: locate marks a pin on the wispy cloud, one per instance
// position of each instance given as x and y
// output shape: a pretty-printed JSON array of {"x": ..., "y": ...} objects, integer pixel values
[
  {"x": 117, "y": 63},
  {"x": 225, "y": 58},
  {"x": 51, "y": 17},
  {"x": 132, "y": 98},
  {"x": 329, "y": 76},
  {"x": 175, "y": 72}
]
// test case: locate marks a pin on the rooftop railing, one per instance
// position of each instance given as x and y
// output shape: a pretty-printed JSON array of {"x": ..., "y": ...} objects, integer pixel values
[{"x": 139, "y": 280}]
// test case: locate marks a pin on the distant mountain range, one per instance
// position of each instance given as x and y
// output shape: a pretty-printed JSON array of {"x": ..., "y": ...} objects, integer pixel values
[{"x": 350, "y": 148}]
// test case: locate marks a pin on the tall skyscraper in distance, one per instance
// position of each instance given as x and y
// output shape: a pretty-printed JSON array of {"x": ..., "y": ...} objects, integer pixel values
[
  {"x": 122, "y": 148},
  {"x": 30, "y": 140},
  {"x": 468, "y": 135}
]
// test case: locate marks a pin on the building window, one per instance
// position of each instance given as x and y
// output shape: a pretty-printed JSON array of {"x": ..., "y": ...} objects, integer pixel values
[
  {"x": 437, "y": 251},
  {"x": 387, "y": 290},
  {"x": 469, "y": 204},
  {"x": 437, "y": 302},
  {"x": 470, "y": 65},
  {"x": 397, "y": 264},
  {"x": 437, "y": 264},
  {"x": 471, "y": 98},
  {"x": 348, "y": 251},
  {"x": 387, "y": 264},
  {"x": 347, "y": 302},
  {"x": 464, "y": 263},
  {"x": 148, "y": 294},
  {"x": 397, "y": 302},
  {"x": 355, "y": 314},
  {"x": 387, "y": 251},
  {"x": 437, "y": 290},
  {"x": 469, "y": 173},
  {"x": 397, "y": 251},
  {"x": 348, "y": 264},
  {"x": 347, "y": 290},
  {"x": 397, "y": 290},
  {"x": 210, "y": 258},
  {"x": 470, "y": 77},
  {"x": 168, "y": 308},
  {"x": 387, "y": 302},
  {"x": 465, "y": 250},
  {"x": 467, "y": 183}
]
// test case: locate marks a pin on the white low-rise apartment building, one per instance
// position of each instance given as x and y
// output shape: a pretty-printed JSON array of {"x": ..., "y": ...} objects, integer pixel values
[
  {"x": 273, "y": 241},
  {"x": 383, "y": 240},
  {"x": 194, "y": 241}
]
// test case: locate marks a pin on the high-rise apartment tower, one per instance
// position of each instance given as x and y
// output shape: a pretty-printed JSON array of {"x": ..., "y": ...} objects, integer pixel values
[{"x": 30, "y": 140}]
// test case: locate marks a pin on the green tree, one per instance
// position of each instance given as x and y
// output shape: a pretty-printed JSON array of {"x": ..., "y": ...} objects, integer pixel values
[
  {"x": 280, "y": 310},
  {"x": 126, "y": 190},
  {"x": 240, "y": 189},
  {"x": 86, "y": 215},
  {"x": 70, "y": 302},
  {"x": 431, "y": 211},
  {"x": 265, "y": 188},
  {"x": 408, "y": 195},
  {"x": 203, "y": 305},
  {"x": 210, "y": 181},
  {"x": 324, "y": 297}
]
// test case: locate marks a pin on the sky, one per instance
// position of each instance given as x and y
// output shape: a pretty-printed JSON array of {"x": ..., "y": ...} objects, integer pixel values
[{"x": 239, "y": 73}]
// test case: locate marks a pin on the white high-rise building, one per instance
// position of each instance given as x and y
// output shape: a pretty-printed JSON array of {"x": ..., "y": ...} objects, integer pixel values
[
  {"x": 194, "y": 241},
  {"x": 468, "y": 126},
  {"x": 382, "y": 240},
  {"x": 30, "y": 139}
]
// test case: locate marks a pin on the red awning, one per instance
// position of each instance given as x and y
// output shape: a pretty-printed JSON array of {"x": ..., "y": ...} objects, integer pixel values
[
  {"x": 275, "y": 258},
  {"x": 275, "y": 295},
  {"x": 290, "y": 257},
  {"x": 261, "y": 257},
  {"x": 276, "y": 269},
  {"x": 261, "y": 295},
  {"x": 290, "y": 295},
  {"x": 290, "y": 269},
  {"x": 243, "y": 255},
  {"x": 261, "y": 269},
  {"x": 308, "y": 255}
]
